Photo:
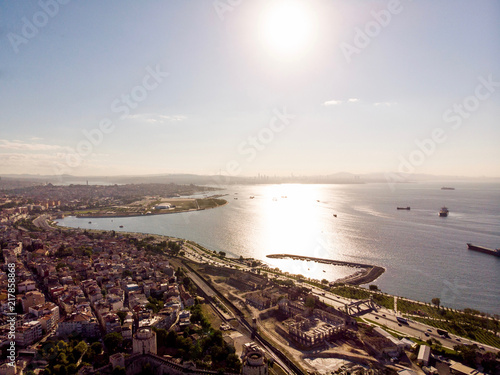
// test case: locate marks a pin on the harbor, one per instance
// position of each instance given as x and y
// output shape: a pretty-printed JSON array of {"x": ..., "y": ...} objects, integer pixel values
[{"x": 368, "y": 273}]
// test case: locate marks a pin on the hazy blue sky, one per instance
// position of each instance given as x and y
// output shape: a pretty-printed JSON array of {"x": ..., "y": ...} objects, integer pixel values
[{"x": 365, "y": 81}]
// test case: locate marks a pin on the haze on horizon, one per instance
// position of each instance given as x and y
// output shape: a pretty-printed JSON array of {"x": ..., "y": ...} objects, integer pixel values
[{"x": 309, "y": 87}]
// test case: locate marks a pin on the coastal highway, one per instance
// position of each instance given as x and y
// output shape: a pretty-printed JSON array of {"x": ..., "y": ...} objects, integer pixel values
[
  {"x": 41, "y": 222},
  {"x": 386, "y": 317}
]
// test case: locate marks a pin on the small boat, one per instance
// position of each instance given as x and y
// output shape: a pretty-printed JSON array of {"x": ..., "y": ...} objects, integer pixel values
[
  {"x": 121, "y": 226},
  {"x": 404, "y": 208},
  {"x": 334, "y": 215},
  {"x": 317, "y": 200},
  {"x": 252, "y": 197},
  {"x": 443, "y": 212},
  {"x": 447, "y": 188},
  {"x": 90, "y": 222},
  {"x": 324, "y": 271}
]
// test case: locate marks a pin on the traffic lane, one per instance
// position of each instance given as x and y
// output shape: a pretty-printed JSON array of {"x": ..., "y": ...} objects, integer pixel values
[{"x": 425, "y": 332}]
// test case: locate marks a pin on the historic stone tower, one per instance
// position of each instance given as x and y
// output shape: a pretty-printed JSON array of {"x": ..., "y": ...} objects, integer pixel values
[
  {"x": 254, "y": 363},
  {"x": 144, "y": 341}
]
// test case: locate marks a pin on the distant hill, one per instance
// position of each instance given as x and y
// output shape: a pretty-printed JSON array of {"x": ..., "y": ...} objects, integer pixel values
[{"x": 11, "y": 180}]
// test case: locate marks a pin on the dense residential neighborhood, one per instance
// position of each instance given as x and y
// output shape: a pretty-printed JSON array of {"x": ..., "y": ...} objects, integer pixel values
[{"x": 106, "y": 302}]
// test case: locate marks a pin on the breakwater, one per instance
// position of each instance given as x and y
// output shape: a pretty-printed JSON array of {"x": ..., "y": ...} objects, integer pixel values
[{"x": 367, "y": 274}]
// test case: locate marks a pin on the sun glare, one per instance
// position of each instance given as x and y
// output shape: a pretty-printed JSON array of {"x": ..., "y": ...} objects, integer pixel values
[{"x": 286, "y": 27}]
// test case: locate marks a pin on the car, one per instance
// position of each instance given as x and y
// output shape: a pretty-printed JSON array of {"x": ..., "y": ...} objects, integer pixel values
[
  {"x": 399, "y": 324},
  {"x": 429, "y": 330},
  {"x": 425, "y": 333},
  {"x": 458, "y": 339},
  {"x": 383, "y": 315},
  {"x": 376, "y": 317}
]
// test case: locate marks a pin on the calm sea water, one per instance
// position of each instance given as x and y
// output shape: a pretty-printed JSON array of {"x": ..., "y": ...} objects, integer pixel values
[{"x": 425, "y": 255}]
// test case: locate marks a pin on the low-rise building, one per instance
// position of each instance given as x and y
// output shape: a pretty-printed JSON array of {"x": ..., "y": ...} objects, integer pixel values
[
  {"x": 424, "y": 354},
  {"x": 28, "y": 333}
]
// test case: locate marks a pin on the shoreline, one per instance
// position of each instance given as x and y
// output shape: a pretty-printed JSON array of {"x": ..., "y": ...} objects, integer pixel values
[
  {"x": 369, "y": 274},
  {"x": 113, "y": 216}
]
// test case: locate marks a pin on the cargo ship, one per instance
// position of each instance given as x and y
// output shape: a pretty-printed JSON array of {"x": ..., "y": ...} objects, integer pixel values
[
  {"x": 403, "y": 208},
  {"x": 444, "y": 212},
  {"x": 481, "y": 249}
]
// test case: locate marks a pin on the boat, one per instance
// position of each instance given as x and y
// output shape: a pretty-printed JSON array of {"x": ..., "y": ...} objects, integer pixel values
[
  {"x": 443, "y": 212},
  {"x": 482, "y": 249},
  {"x": 121, "y": 226},
  {"x": 404, "y": 208},
  {"x": 334, "y": 215},
  {"x": 447, "y": 188},
  {"x": 90, "y": 222},
  {"x": 252, "y": 197}
]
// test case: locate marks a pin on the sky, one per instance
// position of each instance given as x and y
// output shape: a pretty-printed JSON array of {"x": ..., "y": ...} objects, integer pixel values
[{"x": 242, "y": 87}]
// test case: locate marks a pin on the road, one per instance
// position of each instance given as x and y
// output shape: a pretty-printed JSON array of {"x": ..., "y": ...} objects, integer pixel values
[
  {"x": 41, "y": 222},
  {"x": 208, "y": 290},
  {"x": 383, "y": 316},
  {"x": 387, "y": 318}
]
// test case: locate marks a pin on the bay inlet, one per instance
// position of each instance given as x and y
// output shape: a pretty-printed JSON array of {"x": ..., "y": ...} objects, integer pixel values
[{"x": 424, "y": 255}]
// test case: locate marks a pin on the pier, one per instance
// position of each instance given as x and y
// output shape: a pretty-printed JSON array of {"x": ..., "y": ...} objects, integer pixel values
[{"x": 371, "y": 272}]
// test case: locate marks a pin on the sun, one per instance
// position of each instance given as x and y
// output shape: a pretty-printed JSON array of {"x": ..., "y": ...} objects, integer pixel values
[{"x": 286, "y": 27}]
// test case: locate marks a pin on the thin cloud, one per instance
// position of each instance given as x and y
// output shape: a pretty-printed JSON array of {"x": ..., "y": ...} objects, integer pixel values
[
  {"x": 23, "y": 146},
  {"x": 157, "y": 118},
  {"x": 384, "y": 104},
  {"x": 332, "y": 102},
  {"x": 338, "y": 102}
]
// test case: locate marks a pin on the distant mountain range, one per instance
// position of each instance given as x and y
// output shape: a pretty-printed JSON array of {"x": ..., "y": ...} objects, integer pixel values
[{"x": 221, "y": 180}]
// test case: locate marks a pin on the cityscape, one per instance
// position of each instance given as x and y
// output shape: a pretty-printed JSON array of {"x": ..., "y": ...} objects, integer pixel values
[{"x": 265, "y": 187}]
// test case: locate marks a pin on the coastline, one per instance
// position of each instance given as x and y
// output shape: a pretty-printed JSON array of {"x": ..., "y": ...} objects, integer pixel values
[
  {"x": 368, "y": 274},
  {"x": 91, "y": 216}
]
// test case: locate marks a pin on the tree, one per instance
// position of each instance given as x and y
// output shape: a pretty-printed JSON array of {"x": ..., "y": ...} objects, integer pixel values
[
  {"x": 96, "y": 347},
  {"x": 118, "y": 370},
  {"x": 310, "y": 301},
  {"x": 373, "y": 287},
  {"x": 122, "y": 315},
  {"x": 324, "y": 281},
  {"x": 126, "y": 273},
  {"x": 113, "y": 341},
  {"x": 467, "y": 353},
  {"x": 436, "y": 301},
  {"x": 233, "y": 363}
]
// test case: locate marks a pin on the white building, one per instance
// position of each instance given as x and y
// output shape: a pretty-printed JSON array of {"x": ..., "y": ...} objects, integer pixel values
[{"x": 424, "y": 354}]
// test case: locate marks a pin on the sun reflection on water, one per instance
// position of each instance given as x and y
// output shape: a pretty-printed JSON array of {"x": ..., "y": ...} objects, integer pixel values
[{"x": 291, "y": 220}]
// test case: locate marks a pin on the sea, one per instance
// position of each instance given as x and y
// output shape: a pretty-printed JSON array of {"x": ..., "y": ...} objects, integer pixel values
[{"x": 424, "y": 255}]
